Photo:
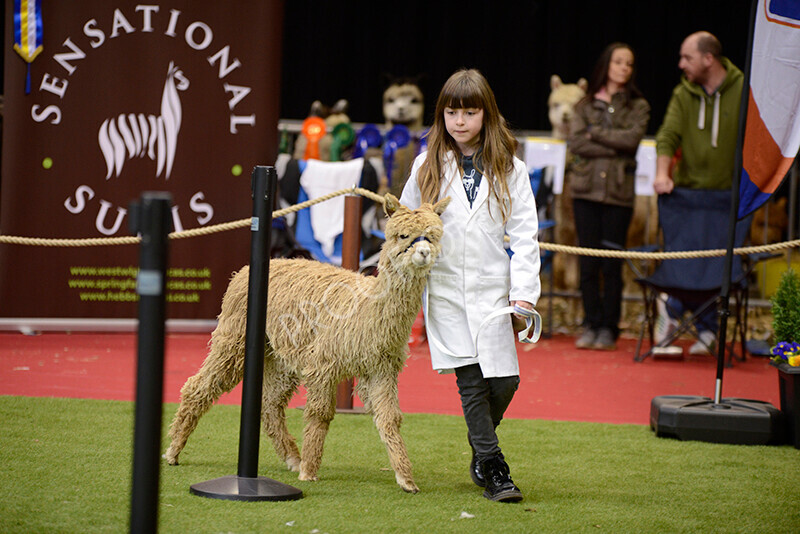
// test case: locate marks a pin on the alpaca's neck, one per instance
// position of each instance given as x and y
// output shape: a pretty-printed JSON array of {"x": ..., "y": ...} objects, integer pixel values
[{"x": 397, "y": 297}]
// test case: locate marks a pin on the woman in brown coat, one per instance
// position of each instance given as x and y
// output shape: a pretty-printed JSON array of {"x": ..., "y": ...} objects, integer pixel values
[{"x": 606, "y": 130}]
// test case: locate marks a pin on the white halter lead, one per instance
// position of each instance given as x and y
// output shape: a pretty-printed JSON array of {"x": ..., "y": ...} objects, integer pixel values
[{"x": 531, "y": 334}]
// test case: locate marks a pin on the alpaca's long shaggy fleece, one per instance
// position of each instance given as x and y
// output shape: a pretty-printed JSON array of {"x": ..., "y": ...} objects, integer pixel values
[{"x": 325, "y": 324}]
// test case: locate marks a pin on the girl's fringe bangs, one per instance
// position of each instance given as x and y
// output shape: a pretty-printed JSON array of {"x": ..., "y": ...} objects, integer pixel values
[{"x": 462, "y": 96}]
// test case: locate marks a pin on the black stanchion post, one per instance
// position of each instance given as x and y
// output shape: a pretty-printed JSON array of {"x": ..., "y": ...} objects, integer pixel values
[
  {"x": 248, "y": 486},
  {"x": 149, "y": 217},
  {"x": 264, "y": 185}
]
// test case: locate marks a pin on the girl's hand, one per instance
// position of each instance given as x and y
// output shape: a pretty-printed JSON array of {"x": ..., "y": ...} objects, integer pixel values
[
  {"x": 518, "y": 322},
  {"x": 522, "y": 304}
]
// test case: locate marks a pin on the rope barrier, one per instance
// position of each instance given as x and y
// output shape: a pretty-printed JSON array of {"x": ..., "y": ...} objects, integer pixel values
[
  {"x": 194, "y": 232},
  {"x": 244, "y": 223},
  {"x": 635, "y": 255}
]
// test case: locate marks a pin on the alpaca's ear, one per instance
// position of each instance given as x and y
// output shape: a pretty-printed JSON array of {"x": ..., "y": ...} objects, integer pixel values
[
  {"x": 390, "y": 204},
  {"x": 440, "y": 206}
]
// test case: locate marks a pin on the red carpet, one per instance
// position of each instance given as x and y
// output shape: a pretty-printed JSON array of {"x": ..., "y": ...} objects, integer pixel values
[{"x": 558, "y": 381}]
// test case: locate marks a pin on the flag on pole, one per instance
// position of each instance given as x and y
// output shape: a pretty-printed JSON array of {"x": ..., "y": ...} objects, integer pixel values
[
  {"x": 28, "y": 33},
  {"x": 772, "y": 131}
]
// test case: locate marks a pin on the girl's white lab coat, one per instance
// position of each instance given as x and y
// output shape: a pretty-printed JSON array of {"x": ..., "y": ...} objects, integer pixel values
[{"x": 474, "y": 276}]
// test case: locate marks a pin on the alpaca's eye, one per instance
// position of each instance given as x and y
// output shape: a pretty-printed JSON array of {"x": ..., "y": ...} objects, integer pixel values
[{"x": 403, "y": 236}]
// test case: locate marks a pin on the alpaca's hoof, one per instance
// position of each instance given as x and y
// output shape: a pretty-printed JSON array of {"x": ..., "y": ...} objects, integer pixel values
[
  {"x": 172, "y": 459},
  {"x": 407, "y": 484},
  {"x": 410, "y": 487},
  {"x": 293, "y": 464},
  {"x": 307, "y": 477}
]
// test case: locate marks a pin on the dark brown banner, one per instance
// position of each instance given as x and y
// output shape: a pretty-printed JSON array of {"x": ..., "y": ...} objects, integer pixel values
[{"x": 128, "y": 97}]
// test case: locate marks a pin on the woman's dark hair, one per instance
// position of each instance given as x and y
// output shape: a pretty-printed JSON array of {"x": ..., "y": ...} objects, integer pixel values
[{"x": 600, "y": 73}]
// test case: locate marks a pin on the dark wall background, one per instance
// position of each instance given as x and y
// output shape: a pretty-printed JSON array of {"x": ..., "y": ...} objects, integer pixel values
[
  {"x": 342, "y": 49},
  {"x": 336, "y": 50}
]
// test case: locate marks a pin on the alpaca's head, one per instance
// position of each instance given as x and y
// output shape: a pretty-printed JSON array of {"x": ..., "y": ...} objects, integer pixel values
[{"x": 413, "y": 238}]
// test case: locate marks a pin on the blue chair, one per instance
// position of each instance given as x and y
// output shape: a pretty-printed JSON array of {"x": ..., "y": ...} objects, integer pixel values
[
  {"x": 303, "y": 231},
  {"x": 542, "y": 185},
  {"x": 690, "y": 220},
  {"x": 305, "y": 235}
]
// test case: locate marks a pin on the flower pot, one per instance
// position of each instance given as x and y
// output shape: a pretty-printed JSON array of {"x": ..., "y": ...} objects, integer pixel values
[{"x": 789, "y": 383}]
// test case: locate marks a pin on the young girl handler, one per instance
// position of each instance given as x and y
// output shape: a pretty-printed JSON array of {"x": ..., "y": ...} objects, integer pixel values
[{"x": 470, "y": 158}]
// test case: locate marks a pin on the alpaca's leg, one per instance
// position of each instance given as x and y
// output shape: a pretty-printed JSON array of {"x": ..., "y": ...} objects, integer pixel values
[
  {"x": 319, "y": 411},
  {"x": 220, "y": 372},
  {"x": 385, "y": 408},
  {"x": 279, "y": 386}
]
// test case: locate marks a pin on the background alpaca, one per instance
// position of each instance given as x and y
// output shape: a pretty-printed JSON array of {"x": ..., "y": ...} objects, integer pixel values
[
  {"x": 134, "y": 135},
  {"x": 404, "y": 104},
  {"x": 561, "y": 107},
  {"x": 561, "y": 104},
  {"x": 324, "y": 324}
]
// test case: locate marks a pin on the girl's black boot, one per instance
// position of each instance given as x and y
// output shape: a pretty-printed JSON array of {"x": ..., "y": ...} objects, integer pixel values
[
  {"x": 475, "y": 467},
  {"x": 499, "y": 486}
]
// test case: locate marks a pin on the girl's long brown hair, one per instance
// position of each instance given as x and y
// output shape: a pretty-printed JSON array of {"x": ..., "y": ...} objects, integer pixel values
[{"x": 496, "y": 146}]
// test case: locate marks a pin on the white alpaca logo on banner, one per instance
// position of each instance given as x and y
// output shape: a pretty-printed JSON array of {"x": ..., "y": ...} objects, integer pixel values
[{"x": 134, "y": 135}]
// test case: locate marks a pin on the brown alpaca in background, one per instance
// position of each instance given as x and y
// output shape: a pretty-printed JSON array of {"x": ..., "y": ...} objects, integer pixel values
[{"x": 325, "y": 324}]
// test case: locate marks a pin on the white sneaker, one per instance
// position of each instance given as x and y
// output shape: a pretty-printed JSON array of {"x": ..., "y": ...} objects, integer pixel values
[
  {"x": 708, "y": 340},
  {"x": 669, "y": 350},
  {"x": 665, "y": 325}
]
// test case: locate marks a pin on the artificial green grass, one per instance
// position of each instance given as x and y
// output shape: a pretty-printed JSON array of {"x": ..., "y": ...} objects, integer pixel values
[{"x": 66, "y": 467}]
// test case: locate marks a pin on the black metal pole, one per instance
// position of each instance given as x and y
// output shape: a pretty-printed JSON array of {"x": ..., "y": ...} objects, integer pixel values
[
  {"x": 247, "y": 485},
  {"x": 735, "y": 181},
  {"x": 151, "y": 218},
  {"x": 264, "y": 185}
]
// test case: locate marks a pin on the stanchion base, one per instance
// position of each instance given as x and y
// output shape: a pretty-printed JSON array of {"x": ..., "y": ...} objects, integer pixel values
[
  {"x": 734, "y": 421},
  {"x": 236, "y": 488}
]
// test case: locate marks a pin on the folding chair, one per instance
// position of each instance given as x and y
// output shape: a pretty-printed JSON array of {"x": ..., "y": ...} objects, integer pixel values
[
  {"x": 692, "y": 220},
  {"x": 293, "y": 191}
]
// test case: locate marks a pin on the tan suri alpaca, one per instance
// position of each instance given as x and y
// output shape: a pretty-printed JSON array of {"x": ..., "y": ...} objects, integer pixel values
[
  {"x": 561, "y": 108},
  {"x": 325, "y": 324}
]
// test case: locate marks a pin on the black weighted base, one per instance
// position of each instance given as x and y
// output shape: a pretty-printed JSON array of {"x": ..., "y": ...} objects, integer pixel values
[
  {"x": 735, "y": 421},
  {"x": 236, "y": 488}
]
